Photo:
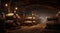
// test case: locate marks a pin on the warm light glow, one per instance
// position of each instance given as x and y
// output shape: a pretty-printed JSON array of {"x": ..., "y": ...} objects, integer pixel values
[
  {"x": 33, "y": 21},
  {"x": 6, "y": 4},
  {"x": 14, "y": 11},
  {"x": 59, "y": 12},
  {"x": 28, "y": 21},
  {"x": 10, "y": 14},
  {"x": 33, "y": 14},
  {"x": 17, "y": 16},
  {"x": 16, "y": 8},
  {"x": 33, "y": 17},
  {"x": 29, "y": 17}
]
